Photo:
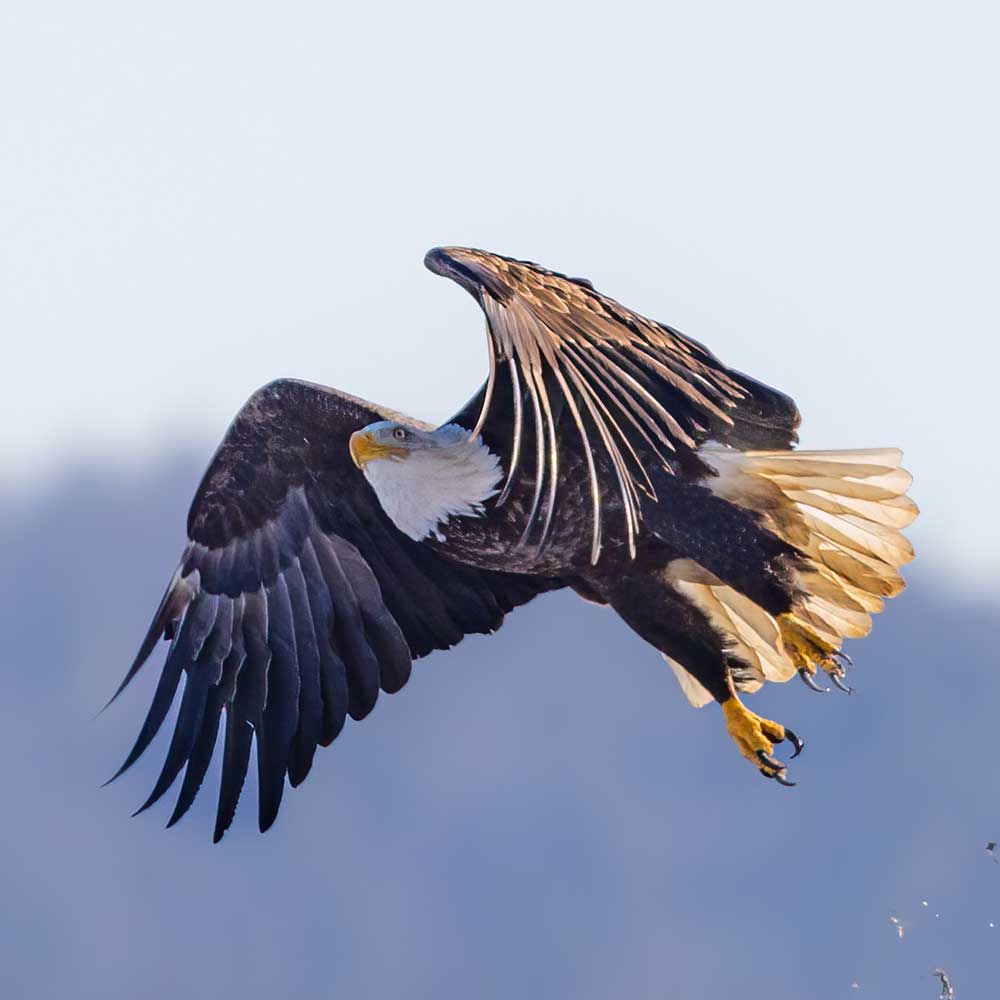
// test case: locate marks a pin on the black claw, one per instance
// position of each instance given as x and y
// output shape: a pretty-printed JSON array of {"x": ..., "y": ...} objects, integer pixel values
[
  {"x": 842, "y": 658},
  {"x": 810, "y": 682},
  {"x": 769, "y": 761},
  {"x": 839, "y": 682},
  {"x": 765, "y": 774},
  {"x": 782, "y": 780},
  {"x": 795, "y": 741}
]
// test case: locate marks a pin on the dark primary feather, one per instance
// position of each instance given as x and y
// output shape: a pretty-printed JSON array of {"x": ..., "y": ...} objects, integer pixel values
[
  {"x": 639, "y": 394},
  {"x": 296, "y": 601}
]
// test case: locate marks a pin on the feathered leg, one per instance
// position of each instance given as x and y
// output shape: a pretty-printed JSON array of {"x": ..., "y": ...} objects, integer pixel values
[
  {"x": 650, "y": 603},
  {"x": 844, "y": 512},
  {"x": 811, "y": 539}
]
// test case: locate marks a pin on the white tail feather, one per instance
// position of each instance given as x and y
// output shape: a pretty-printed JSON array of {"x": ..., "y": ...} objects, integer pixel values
[
  {"x": 693, "y": 689},
  {"x": 844, "y": 511},
  {"x": 852, "y": 505},
  {"x": 751, "y": 633}
]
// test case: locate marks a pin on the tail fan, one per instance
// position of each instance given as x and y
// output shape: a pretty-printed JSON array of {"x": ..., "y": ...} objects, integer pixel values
[{"x": 845, "y": 511}]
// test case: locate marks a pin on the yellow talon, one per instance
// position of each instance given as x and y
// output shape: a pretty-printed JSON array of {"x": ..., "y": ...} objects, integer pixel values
[
  {"x": 755, "y": 738},
  {"x": 808, "y": 651},
  {"x": 752, "y": 734}
]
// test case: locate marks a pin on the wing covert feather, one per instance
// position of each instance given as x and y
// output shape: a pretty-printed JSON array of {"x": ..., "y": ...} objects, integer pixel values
[{"x": 641, "y": 393}]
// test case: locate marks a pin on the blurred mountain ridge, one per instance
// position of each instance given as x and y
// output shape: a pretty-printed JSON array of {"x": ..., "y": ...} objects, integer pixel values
[{"x": 537, "y": 813}]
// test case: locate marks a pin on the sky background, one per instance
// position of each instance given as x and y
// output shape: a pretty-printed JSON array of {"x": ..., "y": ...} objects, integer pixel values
[{"x": 198, "y": 199}]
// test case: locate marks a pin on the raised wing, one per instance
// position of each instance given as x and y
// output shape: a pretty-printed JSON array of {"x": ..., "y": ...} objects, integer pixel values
[
  {"x": 641, "y": 391},
  {"x": 296, "y": 600}
]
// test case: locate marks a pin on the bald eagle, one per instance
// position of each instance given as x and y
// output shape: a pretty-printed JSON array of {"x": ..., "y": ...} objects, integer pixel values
[{"x": 332, "y": 541}]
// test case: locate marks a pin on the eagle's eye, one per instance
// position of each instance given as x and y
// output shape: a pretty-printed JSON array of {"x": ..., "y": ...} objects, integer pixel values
[{"x": 399, "y": 434}]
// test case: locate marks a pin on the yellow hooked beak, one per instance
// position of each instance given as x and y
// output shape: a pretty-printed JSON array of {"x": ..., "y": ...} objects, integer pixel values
[{"x": 364, "y": 449}]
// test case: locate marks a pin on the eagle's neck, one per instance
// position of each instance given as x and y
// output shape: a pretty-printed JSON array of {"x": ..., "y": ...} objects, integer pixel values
[{"x": 451, "y": 475}]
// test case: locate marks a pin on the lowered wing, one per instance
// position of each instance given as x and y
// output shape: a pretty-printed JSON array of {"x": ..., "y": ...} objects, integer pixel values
[{"x": 296, "y": 601}]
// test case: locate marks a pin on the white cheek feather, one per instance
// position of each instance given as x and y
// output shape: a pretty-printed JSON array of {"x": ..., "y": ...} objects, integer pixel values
[{"x": 421, "y": 491}]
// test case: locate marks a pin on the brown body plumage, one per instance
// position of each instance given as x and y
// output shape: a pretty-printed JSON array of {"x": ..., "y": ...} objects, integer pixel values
[{"x": 633, "y": 467}]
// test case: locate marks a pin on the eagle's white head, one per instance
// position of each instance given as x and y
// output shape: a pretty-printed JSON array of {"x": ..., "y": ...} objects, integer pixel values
[{"x": 422, "y": 478}]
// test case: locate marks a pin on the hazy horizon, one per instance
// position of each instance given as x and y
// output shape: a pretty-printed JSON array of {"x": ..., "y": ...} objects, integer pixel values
[{"x": 538, "y": 812}]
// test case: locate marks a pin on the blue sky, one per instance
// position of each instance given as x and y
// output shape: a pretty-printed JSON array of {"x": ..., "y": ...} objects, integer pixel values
[{"x": 198, "y": 200}]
